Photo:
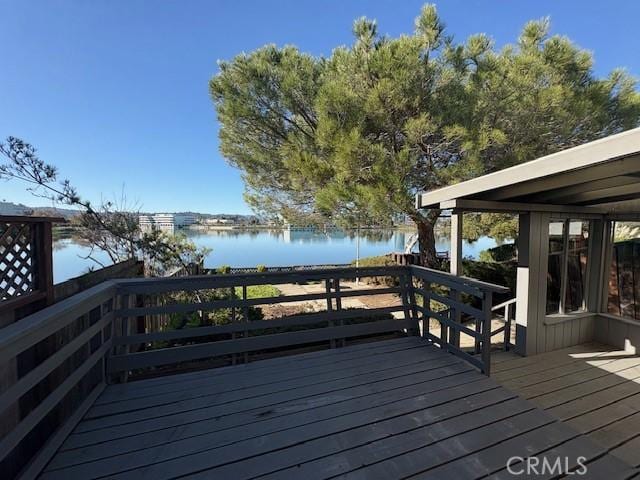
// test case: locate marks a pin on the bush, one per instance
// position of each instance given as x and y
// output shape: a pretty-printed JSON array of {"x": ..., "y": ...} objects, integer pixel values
[
  {"x": 259, "y": 291},
  {"x": 261, "y": 268},
  {"x": 377, "y": 261},
  {"x": 224, "y": 270},
  {"x": 501, "y": 253}
]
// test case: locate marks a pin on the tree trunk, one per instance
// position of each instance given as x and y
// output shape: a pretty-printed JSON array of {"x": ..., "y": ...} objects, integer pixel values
[{"x": 426, "y": 238}]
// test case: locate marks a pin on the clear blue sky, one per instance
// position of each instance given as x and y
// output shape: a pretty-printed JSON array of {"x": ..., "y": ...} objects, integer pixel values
[{"x": 115, "y": 92}]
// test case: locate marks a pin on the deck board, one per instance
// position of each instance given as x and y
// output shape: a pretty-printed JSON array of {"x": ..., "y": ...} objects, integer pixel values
[
  {"x": 388, "y": 409},
  {"x": 593, "y": 388}
]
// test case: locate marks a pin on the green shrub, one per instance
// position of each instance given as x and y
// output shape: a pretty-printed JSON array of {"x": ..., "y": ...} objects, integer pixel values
[
  {"x": 224, "y": 269},
  {"x": 261, "y": 268},
  {"x": 501, "y": 253},
  {"x": 377, "y": 261},
  {"x": 259, "y": 291}
]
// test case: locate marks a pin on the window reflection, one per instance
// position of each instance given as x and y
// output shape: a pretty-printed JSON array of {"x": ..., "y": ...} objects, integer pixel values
[
  {"x": 624, "y": 289},
  {"x": 554, "y": 272},
  {"x": 578, "y": 247},
  {"x": 567, "y": 266}
]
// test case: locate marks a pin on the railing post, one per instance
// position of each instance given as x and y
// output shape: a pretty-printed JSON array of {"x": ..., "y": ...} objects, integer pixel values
[
  {"x": 245, "y": 317},
  {"x": 336, "y": 287},
  {"x": 455, "y": 315},
  {"x": 406, "y": 288},
  {"x": 507, "y": 326},
  {"x": 233, "y": 320},
  {"x": 327, "y": 286},
  {"x": 487, "y": 304},
  {"x": 121, "y": 330},
  {"x": 413, "y": 304}
]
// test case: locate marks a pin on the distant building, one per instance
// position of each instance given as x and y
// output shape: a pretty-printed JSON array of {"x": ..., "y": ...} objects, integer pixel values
[
  {"x": 219, "y": 221},
  {"x": 166, "y": 221}
]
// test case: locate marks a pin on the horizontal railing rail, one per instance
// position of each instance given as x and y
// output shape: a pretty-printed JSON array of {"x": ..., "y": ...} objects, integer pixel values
[
  {"x": 60, "y": 351},
  {"x": 450, "y": 290},
  {"x": 126, "y": 327},
  {"x": 509, "y": 309},
  {"x": 240, "y": 335}
]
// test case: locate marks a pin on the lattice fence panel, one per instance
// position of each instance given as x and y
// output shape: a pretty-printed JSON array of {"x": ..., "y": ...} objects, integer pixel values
[{"x": 17, "y": 276}]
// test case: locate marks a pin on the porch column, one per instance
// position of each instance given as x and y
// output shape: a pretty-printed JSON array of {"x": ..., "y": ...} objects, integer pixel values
[
  {"x": 455, "y": 252},
  {"x": 455, "y": 267},
  {"x": 531, "y": 280}
]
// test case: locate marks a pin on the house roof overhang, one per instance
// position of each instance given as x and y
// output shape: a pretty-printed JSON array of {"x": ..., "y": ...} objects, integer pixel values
[{"x": 598, "y": 178}]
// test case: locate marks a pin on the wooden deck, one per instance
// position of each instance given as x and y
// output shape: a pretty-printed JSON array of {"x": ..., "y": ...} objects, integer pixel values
[
  {"x": 391, "y": 409},
  {"x": 593, "y": 388}
]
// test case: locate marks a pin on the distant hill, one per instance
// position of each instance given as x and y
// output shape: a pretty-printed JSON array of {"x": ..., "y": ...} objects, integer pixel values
[{"x": 10, "y": 208}]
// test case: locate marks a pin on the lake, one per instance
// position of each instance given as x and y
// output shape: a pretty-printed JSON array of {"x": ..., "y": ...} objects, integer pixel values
[{"x": 242, "y": 248}]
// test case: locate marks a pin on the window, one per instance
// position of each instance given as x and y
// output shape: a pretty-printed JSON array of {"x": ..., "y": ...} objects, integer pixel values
[
  {"x": 567, "y": 266},
  {"x": 624, "y": 276}
]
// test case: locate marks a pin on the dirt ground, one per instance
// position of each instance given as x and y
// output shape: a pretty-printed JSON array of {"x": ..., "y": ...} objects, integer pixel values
[
  {"x": 371, "y": 301},
  {"x": 293, "y": 308}
]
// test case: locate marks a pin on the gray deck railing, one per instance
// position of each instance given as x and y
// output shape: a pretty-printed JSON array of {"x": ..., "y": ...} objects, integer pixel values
[
  {"x": 460, "y": 297},
  {"x": 241, "y": 335},
  {"x": 52, "y": 368},
  {"x": 103, "y": 333}
]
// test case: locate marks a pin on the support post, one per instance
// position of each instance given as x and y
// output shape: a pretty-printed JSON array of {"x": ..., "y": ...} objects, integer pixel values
[
  {"x": 533, "y": 234},
  {"x": 455, "y": 256},
  {"x": 455, "y": 267},
  {"x": 487, "y": 303},
  {"x": 327, "y": 286}
]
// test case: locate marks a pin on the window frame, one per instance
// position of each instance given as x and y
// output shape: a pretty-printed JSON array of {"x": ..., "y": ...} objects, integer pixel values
[{"x": 564, "y": 270}]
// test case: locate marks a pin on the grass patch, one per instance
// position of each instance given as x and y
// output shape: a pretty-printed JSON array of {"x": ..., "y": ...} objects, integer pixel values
[{"x": 259, "y": 291}]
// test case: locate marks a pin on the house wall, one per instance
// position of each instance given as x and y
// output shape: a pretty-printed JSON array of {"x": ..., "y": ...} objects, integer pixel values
[
  {"x": 537, "y": 332},
  {"x": 618, "y": 332}
]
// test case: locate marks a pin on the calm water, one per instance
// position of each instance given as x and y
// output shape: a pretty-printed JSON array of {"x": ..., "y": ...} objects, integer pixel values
[{"x": 271, "y": 248}]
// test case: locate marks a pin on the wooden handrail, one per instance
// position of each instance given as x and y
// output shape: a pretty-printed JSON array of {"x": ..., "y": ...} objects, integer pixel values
[
  {"x": 80, "y": 353},
  {"x": 511, "y": 301},
  {"x": 108, "y": 310}
]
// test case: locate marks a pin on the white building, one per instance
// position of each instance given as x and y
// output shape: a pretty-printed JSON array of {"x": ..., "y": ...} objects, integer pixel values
[{"x": 166, "y": 221}]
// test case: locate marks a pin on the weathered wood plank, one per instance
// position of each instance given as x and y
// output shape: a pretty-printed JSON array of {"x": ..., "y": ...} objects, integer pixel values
[
  {"x": 30, "y": 380},
  {"x": 116, "y": 413},
  {"x": 416, "y": 461},
  {"x": 557, "y": 358},
  {"x": 241, "y": 303},
  {"x": 344, "y": 452},
  {"x": 603, "y": 387},
  {"x": 550, "y": 374},
  {"x": 200, "y": 282},
  {"x": 161, "y": 429},
  {"x": 566, "y": 457},
  {"x": 293, "y": 320},
  {"x": 608, "y": 467},
  {"x": 600, "y": 419},
  {"x": 205, "y": 428},
  {"x": 11, "y": 440},
  {"x": 303, "y": 360},
  {"x": 194, "y": 454},
  {"x": 591, "y": 373},
  {"x": 629, "y": 452},
  {"x": 619, "y": 432},
  {"x": 225, "y": 347}
]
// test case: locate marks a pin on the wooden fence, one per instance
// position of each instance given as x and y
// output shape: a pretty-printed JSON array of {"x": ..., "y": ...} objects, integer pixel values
[
  {"x": 39, "y": 407},
  {"x": 26, "y": 270}
]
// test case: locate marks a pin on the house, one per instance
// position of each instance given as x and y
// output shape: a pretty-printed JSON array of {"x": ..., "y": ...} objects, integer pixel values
[
  {"x": 387, "y": 392},
  {"x": 567, "y": 204}
]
